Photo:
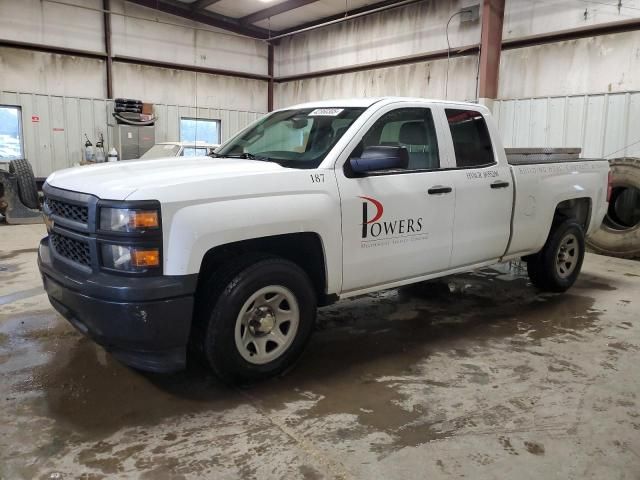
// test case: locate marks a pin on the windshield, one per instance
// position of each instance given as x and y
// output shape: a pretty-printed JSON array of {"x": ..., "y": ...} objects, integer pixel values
[
  {"x": 293, "y": 138},
  {"x": 161, "y": 151}
]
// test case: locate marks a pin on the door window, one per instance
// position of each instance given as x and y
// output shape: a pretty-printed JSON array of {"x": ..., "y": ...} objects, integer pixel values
[
  {"x": 411, "y": 128},
  {"x": 471, "y": 139}
]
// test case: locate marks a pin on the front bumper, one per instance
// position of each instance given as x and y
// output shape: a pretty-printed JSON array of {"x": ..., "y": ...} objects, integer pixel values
[{"x": 143, "y": 321}]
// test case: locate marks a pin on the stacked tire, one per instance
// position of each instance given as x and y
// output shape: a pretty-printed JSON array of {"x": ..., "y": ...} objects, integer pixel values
[
  {"x": 27, "y": 187},
  {"x": 619, "y": 235},
  {"x": 128, "y": 105}
]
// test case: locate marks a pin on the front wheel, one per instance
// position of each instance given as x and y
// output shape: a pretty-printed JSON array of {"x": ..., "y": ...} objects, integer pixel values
[
  {"x": 256, "y": 319},
  {"x": 557, "y": 266}
]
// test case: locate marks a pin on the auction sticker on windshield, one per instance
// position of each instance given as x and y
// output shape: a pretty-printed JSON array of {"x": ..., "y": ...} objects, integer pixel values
[{"x": 326, "y": 112}]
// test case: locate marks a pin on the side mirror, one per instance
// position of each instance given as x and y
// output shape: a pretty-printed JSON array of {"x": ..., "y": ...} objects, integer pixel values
[{"x": 380, "y": 157}]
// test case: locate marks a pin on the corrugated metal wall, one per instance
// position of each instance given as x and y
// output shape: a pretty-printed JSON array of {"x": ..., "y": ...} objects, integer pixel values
[
  {"x": 56, "y": 139},
  {"x": 604, "y": 125}
]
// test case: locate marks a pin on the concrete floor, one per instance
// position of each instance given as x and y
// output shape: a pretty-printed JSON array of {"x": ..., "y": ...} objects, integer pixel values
[{"x": 480, "y": 378}]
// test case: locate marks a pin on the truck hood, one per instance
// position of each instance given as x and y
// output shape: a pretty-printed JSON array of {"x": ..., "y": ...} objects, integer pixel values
[{"x": 117, "y": 181}]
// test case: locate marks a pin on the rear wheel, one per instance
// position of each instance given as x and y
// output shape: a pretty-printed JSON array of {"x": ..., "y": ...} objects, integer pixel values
[
  {"x": 255, "y": 319},
  {"x": 557, "y": 266}
]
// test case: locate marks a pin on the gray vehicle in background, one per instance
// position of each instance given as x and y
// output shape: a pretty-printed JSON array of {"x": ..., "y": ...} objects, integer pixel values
[{"x": 179, "y": 149}]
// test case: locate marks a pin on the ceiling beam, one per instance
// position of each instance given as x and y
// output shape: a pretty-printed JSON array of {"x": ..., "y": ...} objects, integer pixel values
[
  {"x": 202, "y": 4},
  {"x": 337, "y": 16},
  {"x": 184, "y": 10},
  {"x": 274, "y": 10}
]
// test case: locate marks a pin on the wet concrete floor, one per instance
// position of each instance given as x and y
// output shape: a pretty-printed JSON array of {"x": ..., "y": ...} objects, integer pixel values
[{"x": 479, "y": 376}]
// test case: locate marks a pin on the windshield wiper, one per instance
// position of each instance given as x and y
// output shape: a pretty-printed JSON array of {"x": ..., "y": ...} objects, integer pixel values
[{"x": 247, "y": 156}]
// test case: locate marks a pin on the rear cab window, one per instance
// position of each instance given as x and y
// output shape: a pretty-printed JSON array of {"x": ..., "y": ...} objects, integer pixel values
[{"x": 471, "y": 138}]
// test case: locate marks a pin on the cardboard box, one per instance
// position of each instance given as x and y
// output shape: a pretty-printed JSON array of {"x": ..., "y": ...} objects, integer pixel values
[{"x": 147, "y": 108}]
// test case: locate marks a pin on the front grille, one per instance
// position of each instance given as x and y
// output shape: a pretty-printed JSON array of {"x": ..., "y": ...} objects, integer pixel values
[
  {"x": 68, "y": 211},
  {"x": 74, "y": 250}
]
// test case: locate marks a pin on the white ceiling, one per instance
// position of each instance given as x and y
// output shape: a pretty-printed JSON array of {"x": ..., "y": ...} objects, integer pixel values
[
  {"x": 311, "y": 12},
  {"x": 240, "y": 8}
]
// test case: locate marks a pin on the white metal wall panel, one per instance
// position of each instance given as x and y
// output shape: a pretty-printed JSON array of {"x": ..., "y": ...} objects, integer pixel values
[
  {"x": 596, "y": 64},
  {"x": 51, "y": 74},
  {"x": 605, "y": 63},
  {"x": 574, "y": 124},
  {"x": 414, "y": 29},
  {"x": 536, "y": 129},
  {"x": 556, "y": 120},
  {"x": 615, "y": 123},
  {"x": 425, "y": 79},
  {"x": 57, "y": 140},
  {"x": 43, "y": 128},
  {"x": 522, "y": 112},
  {"x": 632, "y": 139},
  {"x": 175, "y": 87},
  {"x": 594, "y": 128},
  {"x": 603, "y": 125},
  {"x": 535, "y": 17},
  {"x": 53, "y": 24},
  {"x": 172, "y": 39},
  {"x": 73, "y": 128}
]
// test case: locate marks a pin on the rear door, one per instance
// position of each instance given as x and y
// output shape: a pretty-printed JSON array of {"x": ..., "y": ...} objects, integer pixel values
[
  {"x": 396, "y": 224},
  {"x": 484, "y": 190}
]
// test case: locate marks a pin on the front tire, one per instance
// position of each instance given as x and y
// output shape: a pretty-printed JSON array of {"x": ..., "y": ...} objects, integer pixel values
[
  {"x": 256, "y": 319},
  {"x": 557, "y": 266}
]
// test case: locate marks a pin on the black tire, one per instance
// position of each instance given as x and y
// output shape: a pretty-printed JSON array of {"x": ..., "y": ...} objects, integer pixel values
[
  {"x": 27, "y": 188},
  {"x": 545, "y": 269},
  {"x": 620, "y": 237},
  {"x": 219, "y": 306}
]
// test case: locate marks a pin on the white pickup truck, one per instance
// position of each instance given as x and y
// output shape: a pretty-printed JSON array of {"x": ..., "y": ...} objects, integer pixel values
[{"x": 228, "y": 257}]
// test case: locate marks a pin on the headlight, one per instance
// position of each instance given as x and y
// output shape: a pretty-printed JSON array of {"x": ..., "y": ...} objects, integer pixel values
[
  {"x": 130, "y": 259},
  {"x": 128, "y": 220}
]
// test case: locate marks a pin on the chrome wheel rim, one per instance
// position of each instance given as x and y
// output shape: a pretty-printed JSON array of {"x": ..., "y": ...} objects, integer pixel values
[
  {"x": 567, "y": 256},
  {"x": 267, "y": 324}
]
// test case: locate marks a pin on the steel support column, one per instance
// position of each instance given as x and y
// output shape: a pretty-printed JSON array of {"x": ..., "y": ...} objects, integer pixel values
[
  {"x": 490, "y": 47},
  {"x": 270, "y": 61},
  {"x": 106, "y": 6}
]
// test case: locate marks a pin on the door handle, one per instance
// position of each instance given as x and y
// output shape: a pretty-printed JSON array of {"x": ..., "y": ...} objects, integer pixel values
[
  {"x": 439, "y": 189},
  {"x": 499, "y": 184}
]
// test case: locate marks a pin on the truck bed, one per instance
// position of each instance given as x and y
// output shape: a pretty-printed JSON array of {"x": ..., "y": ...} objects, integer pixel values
[{"x": 529, "y": 156}]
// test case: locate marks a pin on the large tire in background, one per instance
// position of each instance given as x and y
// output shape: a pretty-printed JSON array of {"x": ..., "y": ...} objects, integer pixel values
[
  {"x": 27, "y": 188},
  {"x": 619, "y": 235}
]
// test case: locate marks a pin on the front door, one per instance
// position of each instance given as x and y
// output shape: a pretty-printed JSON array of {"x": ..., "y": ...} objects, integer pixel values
[{"x": 396, "y": 225}]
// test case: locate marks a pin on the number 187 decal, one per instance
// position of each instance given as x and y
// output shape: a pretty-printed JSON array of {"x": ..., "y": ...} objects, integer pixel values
[{"x": 317, "y": 177}]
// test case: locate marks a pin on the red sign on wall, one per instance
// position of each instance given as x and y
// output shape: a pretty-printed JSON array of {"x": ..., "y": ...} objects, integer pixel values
[{"x": 35, "y": 118}]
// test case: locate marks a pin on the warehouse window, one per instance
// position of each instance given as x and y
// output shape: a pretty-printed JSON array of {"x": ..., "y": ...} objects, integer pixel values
[
  {"x": 10, "y": 133},
  {"x": 471, "y": 139},
  {"x": 199, "y": 130}
]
